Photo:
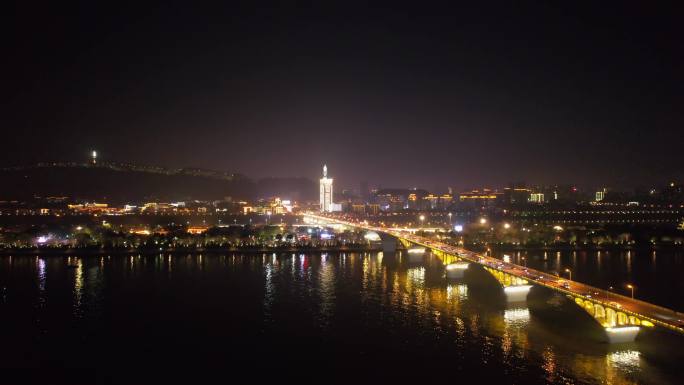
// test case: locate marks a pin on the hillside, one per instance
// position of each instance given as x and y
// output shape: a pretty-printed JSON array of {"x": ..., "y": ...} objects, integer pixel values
[{"x": 119, "y": 184}]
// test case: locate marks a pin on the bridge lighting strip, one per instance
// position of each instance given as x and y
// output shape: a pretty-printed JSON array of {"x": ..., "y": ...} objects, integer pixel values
[
  {"x": 457, "y": 266},
  {"x": 517, "y": 289},
  {"x": 624, "y": 329},
  {"x": 416, "y": 251}
]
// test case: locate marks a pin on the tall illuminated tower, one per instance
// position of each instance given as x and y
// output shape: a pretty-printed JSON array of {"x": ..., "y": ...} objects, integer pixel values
[{"x": 326, "y": 191}]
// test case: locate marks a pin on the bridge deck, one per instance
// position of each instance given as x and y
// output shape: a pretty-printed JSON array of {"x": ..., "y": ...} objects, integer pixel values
[{"x": 658, "y": 315}]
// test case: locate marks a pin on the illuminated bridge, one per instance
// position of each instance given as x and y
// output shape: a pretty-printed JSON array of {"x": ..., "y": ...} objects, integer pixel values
[{"x": 620, "y": 316}]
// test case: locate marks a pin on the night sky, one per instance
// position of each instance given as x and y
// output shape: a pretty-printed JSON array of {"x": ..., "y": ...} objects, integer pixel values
[{"x": 425, "y": 96}]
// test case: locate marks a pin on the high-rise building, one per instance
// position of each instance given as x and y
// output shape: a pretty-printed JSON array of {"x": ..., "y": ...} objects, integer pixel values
[
  {"x": 600, "y": 195},
  {"x": 326, "y": 196}
]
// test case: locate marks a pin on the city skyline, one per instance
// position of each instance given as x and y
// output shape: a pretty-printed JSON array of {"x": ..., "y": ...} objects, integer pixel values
[{"x": 354, "y": 185}]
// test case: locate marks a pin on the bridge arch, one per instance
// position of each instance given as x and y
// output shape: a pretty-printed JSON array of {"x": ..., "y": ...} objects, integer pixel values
[{"x": 618, "y": 324}]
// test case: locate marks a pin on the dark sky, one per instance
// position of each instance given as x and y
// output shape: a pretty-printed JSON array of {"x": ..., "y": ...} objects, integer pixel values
[{"x": 580, "y": 92}]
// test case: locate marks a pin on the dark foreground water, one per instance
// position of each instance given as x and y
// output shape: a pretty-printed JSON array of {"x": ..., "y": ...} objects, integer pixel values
[{"x": 331, "y": 318}]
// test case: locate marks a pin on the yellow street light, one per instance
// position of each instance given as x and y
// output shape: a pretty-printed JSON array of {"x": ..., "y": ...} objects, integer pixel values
[
  {"x": 507, "y": 225},
  {"x": 483, "y": 221},
  {"x": 630, "y": 287},
  {"x": 569, "y": 272}
]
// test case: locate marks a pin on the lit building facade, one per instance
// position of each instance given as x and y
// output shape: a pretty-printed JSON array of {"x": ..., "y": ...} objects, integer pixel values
[
  {"x": 326, "y": 197},
  {"x": 600, "y": 195},
  {"x": 479, "y": 198}
]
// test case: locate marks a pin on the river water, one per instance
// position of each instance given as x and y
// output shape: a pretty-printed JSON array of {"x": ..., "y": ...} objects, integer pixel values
[{"x": 322, "y": 318}]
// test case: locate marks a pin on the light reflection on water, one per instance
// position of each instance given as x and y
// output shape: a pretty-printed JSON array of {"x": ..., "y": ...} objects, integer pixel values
[
  {"x": 322, "y": 296},
  {"x": 625, "y": 360},
  {"x": 78, "y": 288},
  {"x": 326, "y": 284},
  {"x": 517, "y": 317}
]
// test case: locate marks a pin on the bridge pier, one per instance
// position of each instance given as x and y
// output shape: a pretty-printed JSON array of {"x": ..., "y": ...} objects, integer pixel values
[
  {"x": 624, "y": 334},
  {"x": 389, "y": 243},
  {"x": 389, "y": 246},
  {"x": 456, "y": 270},
  {"x": 517, "y": 293},
  {"x": 619, "y": 326}
]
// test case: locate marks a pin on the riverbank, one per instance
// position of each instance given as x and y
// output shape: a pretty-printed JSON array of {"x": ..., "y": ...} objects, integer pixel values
[
  {"x": 322, "y": 249},
  {"x": 146, "y": 251}
]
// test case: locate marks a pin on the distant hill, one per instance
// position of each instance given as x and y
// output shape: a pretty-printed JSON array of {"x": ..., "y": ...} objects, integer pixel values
[
  {"x": 118, "y": 183},
  {"x": 299, "y": 189}
]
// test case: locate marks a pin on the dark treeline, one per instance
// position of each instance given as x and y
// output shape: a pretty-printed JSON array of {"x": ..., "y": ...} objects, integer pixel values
[{"x": 102, "y": 237}]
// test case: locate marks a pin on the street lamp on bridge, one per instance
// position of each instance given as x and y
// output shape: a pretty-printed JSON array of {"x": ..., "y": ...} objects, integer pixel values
[
  {"x": 631, "y": 288},
  {"x": 569, "y": 272}
]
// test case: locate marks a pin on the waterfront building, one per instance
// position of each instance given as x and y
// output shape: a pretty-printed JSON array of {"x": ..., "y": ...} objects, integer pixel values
[
  {"x": 445, "y": 200},
  {"x": 393, "y": 199},
  {"x": 326, "y": 191},
  {"x": 430, "y": 202},
  {"x": 373, "y": 208},
  {"x": 600, "y": 195},
  {"x": 479, "y": 198},
  {"x": 537, "y": 198},
  {"x": 516, "y": 193}
]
